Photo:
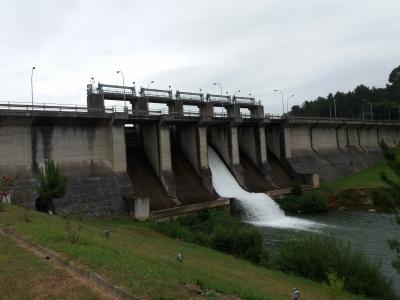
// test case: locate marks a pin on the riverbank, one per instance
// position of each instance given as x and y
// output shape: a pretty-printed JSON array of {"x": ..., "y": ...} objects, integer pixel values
[{"x": 144, "y": 261}]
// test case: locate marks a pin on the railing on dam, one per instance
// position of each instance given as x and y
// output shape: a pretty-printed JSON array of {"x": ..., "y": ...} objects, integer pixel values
[{"x": 24, "y": 107}]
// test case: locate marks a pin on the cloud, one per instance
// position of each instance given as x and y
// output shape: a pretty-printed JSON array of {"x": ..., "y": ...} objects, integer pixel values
[{"x": 308, "y": 48}]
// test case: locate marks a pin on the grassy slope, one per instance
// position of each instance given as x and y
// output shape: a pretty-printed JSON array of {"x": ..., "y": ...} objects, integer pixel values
[
  {"x": 25, "y": 276},
  {"x": 144, "y": 262},
  {"x": 368, "y": 178}
]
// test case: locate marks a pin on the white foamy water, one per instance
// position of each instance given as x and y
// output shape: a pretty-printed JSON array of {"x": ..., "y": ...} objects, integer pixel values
[{"x": 260, "y": 208}]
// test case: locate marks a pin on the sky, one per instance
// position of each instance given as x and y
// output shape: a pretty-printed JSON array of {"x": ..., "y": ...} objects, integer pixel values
[{"x": 307, "y": 48}]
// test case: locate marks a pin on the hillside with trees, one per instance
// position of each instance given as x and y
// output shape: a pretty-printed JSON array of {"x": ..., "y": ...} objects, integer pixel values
[{"x": 357, "y": 104}]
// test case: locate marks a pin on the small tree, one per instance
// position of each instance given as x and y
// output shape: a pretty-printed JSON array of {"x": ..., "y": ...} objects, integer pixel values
[
  {"x": 52, "y": 184},
  {"x": 393, "y": 161}
]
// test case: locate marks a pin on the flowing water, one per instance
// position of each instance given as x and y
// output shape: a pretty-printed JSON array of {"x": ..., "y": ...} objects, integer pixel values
[
  {"x": 366, "y": 231},
  {"x": 260, "y": 209}
]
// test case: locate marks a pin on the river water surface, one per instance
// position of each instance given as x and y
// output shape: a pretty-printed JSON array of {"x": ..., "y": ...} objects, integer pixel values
[{"x": 366, "y": 231}]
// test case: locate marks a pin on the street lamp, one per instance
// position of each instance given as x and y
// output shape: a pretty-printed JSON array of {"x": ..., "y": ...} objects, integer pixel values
[
  {"x": 123, "y": 87},
  {"x": 33, "y": 68},
  {"x": 287, "y": 102},
  {"x": 283, "y": 105},
  {"x": 222, "y": 102},
  {"x": 150, "y": 83},
  {"x": 371, "y": 111}
]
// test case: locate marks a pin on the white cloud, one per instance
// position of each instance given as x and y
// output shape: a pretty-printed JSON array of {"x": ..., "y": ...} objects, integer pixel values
[{"x": 305, "y": 47}]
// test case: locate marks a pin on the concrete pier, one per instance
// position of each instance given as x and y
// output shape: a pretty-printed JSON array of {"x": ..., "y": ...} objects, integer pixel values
[
  {"x": 157, "y": 147},
  {"x": 224, "y": 138}
]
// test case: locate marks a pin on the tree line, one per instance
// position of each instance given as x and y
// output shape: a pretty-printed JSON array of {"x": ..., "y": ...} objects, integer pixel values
[{"x": 361, "y": 103}]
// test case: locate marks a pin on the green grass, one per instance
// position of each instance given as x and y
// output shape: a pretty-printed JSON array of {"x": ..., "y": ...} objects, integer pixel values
[
  {"x": 143, "y": 261},
  {"x": 367, "y": 178},
  {"x": 26, "y": 276}
]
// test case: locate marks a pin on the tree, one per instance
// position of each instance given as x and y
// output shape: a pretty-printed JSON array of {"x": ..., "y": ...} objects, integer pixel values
[
  {"x": 393, "y": 161},
  {"x": 52, "y": 184}
]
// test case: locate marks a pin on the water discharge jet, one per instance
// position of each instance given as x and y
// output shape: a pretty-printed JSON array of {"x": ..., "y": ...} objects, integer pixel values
[{"x": 260, "y": 209}]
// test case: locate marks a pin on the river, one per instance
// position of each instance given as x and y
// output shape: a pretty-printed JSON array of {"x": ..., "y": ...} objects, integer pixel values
[{"x": 366, "y": 231}]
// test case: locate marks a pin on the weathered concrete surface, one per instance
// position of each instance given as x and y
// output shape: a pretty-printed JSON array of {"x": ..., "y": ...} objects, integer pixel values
[
  {"x": 328, "y": 148},
  {"x": 224, "y": 139},
  {"x": 253, "y": 143},
  {"x": 193, "y": 142},
  {"x": 90, "y": 152},
  {"x": 157, "y": 147}
]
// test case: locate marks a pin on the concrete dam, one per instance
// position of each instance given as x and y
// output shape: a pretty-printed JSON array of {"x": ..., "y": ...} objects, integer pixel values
[{"x": 114, "y": 158}]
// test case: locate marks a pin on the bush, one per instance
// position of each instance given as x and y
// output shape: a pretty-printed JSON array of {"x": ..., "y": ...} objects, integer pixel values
[
  {"x": 318, "y": 257},
  {"x": 218, "y": 230},
  {"x": 297, "y": 190},
  {"x": 385, "y": 201},
  {"x": 312, "y": 202},
  {"x": 52, "y": 184}
]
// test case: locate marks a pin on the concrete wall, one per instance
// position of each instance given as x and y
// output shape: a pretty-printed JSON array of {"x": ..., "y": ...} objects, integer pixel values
[
  {"x": 194, "y": 147},
  {"x": 252, "y": 142},
  {"x": 274, "y": 141},
  {"x": 224, "y": 138},
  {"x": 157, "y": 147},
  {"x": 91, "y": 153},
  {"x": 330, "y": 149}
]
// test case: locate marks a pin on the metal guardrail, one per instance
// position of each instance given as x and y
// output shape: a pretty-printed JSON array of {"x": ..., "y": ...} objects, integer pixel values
[
  {"x": 156, "y": 93},
  {"x": 218, "y": 98},
  {"x": 189, "y": 96},
  {"x": 248, "y": 100}
]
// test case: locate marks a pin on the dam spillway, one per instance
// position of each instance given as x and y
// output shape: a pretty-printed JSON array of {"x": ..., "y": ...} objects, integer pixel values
[{"x": 259, "y": 208}]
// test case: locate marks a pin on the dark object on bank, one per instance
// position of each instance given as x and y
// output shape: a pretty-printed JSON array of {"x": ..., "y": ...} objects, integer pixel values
[
  {"x": 179, "y": 257},
  {"x": 296, "y": 294},
  {"x": 107, "y": 233}
]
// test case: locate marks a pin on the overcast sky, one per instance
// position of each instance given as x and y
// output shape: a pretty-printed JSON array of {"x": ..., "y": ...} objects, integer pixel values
[{"x": 308, "y": 47}]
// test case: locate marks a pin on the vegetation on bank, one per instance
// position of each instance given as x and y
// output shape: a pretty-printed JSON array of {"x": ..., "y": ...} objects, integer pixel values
[
  {"x": 218, "y": 230},
  {"x": 299, "y": 202},
  {"x": 144, "y": 261},
  {"x": 326, "y": 258}
]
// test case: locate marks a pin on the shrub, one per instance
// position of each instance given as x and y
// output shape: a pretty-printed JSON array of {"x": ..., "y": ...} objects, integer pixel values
[
  {"x": 385, "y": 200},
  {"x": 297, "y": 190},
  {"x": 52, "y": 184},
  {"x": 218, "y": 230},
  {"x": 318, "y": 257},
  {"x": 312, "y": 202}
]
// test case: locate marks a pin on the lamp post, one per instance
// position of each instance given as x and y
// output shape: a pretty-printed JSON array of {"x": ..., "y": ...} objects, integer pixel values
[
  {"x": 123, "y": 87},
  {"x": 371, "y": 111},
  {"x": 287, "y": 102},
  {"x": 33, "y": 68},
  {"x": 151, "y": 82},
  {"x": 222, "y": 102},
  {"x": 283, "y": 105}
]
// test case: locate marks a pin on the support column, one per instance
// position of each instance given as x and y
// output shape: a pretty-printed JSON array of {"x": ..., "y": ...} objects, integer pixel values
[
  {"x": 225, "y": 141},
  {"x": 176, "y": 108},
  {"x": 157, "y": 147},
  {"x": 253, "y": 144},
  {"x": 206, "y": 111},
  {"x": 257, "y": 112},
  {"x": 117, "y": 148},
  {"x": 140, "y": 106},
  {"x": 194, "y": 147},
  {"x": 95, "y": 102}
]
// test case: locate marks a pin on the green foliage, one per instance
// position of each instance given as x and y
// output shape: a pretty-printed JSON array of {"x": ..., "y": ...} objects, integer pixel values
[
  {"x": 385, "y": 201},
  {"x": 52, "y": 184},
  {"x": 218, "y": 230},
  {"x": 393, "y": 161},
  {"x": 316, "y": 257},
  {"x": 307, "y": 203},
  {"x": 297, "y": 190},
  {"x": 334, "y": 281},
  {"x": 356, "y": 103}
]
